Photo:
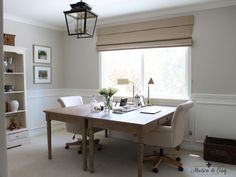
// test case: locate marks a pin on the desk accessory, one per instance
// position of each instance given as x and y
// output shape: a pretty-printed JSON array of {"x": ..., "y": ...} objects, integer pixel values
[
  {"x": 123, "y": 101},
  {"x": 149, "y": 82},
  {"x": 150, "y": 110},
  {"x": 125, "y": 82}
]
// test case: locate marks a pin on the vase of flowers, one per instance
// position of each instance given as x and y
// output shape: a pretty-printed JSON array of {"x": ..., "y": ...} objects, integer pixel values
[{"x": 107, "y": 93}]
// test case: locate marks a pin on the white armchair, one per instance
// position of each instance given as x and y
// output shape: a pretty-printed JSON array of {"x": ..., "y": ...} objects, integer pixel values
[
  {"x": 72, "y": 127},
  {"x": 169, "y": 137}
]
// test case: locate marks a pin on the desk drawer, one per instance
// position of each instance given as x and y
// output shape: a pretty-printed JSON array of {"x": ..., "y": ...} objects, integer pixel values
[
  {"x": 166, "y": 120},
  {"x": 16, "y": 136}
]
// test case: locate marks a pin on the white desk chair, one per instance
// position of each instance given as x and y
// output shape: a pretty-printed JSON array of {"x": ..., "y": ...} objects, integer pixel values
[
  {"x": 169, "y": 137},
  {"x": 72, "y": 127}
]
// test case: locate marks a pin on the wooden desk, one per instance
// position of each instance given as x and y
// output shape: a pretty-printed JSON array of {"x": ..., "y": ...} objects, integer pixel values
[
  {"x": 69, "y": 114},
  {"x": 131, "y": 122}
]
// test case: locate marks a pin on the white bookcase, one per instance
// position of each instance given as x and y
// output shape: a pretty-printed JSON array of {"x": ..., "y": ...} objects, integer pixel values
[{"x": 15, "y": 89}]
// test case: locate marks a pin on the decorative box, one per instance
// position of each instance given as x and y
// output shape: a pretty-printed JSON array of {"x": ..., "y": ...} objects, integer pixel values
[
  {"x": 9, "y": 39},
  {"x": 220, "y": 150}
]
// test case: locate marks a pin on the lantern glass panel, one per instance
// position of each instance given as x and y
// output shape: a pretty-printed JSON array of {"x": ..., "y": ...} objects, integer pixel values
[{"x": 75, "y": 23}]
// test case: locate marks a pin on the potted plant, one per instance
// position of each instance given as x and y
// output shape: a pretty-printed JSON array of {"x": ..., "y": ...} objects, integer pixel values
[{"x": 107, "y": 93}]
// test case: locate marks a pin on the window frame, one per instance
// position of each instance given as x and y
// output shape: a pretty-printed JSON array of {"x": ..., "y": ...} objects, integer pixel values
[{"x": 166, "y": 100}]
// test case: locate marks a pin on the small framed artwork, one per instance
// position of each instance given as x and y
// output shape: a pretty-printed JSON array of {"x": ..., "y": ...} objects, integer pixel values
[
  {"x": 42, "y": 54},
  {"x": 142, "y": 101},
  {"x": 42, "y": 74}
]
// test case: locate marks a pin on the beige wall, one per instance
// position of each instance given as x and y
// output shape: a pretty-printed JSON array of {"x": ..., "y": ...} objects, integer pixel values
[
  {"x": 213, "y": 55},
  {"x": 213, "y": 52},
  {"x": 81, "y": 63},
  {"x": 26, "y": 36},
  {"x": 76, "y": 63}
]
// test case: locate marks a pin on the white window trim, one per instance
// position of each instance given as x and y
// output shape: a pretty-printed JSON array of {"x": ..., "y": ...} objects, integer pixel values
[
  {"x": 189, "y": 73},
  {"x": 165, "y": 101}
]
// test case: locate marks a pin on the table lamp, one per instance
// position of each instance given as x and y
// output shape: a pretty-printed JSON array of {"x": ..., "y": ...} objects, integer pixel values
[
  {"x": 125, "y": 82},
  {"x": 149, "y": 82}
]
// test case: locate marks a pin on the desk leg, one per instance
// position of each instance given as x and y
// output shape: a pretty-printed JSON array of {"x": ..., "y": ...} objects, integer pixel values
[
  {"x": 49, "y": 133},
  {"x": 91, "y": 147},
  {"x": 140, "y": 155},
  {"x": 84, "y": 144},
  {"x": 106, "y": 133}
]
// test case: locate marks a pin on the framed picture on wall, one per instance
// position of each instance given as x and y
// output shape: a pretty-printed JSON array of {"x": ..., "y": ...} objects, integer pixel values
[
  {"x": 42, "y": 54},
  {"x": 142, "y": 101},
  {"x": 42, "y": 74}
]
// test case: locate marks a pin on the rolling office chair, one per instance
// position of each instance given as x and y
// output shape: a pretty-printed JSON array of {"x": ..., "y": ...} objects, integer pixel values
[
  {"x": 75, "y": 128},
  {"x": 169, "y": 137}
]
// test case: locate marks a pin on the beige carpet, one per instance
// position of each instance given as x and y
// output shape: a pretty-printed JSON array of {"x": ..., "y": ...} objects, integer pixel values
[{"x": 117, "y": 159}]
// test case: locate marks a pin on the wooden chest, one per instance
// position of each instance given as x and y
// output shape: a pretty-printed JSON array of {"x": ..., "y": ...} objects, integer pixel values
[{"x": 220, "y": 150}]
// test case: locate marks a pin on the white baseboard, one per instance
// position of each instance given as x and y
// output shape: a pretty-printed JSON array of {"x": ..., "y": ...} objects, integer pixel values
[
  {"x": 192, "y": 146},
  {"x": 43, "y": 130}
]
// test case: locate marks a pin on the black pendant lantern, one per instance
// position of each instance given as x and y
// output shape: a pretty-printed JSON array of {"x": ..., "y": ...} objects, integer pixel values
[{"x": 80, "y": 20}]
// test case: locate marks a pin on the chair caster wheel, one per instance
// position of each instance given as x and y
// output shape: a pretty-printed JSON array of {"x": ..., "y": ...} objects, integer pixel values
[
  {"x": 79, "y": 152},
  {"x": 66, "y": 147},
  {"x": 99, "y": 149},
  {"x": 180, "y": 168},
  {"x": 155, "y": 170},
  {"x": 178, "y": 159}
]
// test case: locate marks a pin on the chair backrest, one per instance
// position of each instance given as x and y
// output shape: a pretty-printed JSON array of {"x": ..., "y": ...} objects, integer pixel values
[
  {"x": 179, "y": 120},
  {"x": 70, "y": 101},
  {"x": 67, "y": 102}
]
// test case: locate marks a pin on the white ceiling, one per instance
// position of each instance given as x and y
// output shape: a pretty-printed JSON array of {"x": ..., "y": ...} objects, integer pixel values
[{"x": 50, "y": 12}]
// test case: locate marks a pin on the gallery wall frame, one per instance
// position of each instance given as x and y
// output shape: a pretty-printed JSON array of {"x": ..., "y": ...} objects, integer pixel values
[
  {"x": 42, "y": 54},
  {"x": 42, "y": 74}
]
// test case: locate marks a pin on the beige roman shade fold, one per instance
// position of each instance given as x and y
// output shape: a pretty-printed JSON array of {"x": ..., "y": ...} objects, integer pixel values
[{"x": 158, "y": 33}]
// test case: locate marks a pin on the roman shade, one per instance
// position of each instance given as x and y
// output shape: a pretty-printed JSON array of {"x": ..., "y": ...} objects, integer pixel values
[{"x": 158, "y": 33}]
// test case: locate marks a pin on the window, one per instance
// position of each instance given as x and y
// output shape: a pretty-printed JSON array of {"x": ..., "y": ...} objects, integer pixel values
[{"x": 168, "y": 67}]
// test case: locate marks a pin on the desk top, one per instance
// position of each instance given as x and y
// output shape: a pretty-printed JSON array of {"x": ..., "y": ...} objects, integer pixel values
[{"x": 133, "y": 117}]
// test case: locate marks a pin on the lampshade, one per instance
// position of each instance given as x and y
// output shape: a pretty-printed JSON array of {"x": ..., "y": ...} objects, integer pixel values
[
  {"x": 123, "y": 81},
  {"x": 80, "y": 20},
  {"x": 150, "y": 81}
]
